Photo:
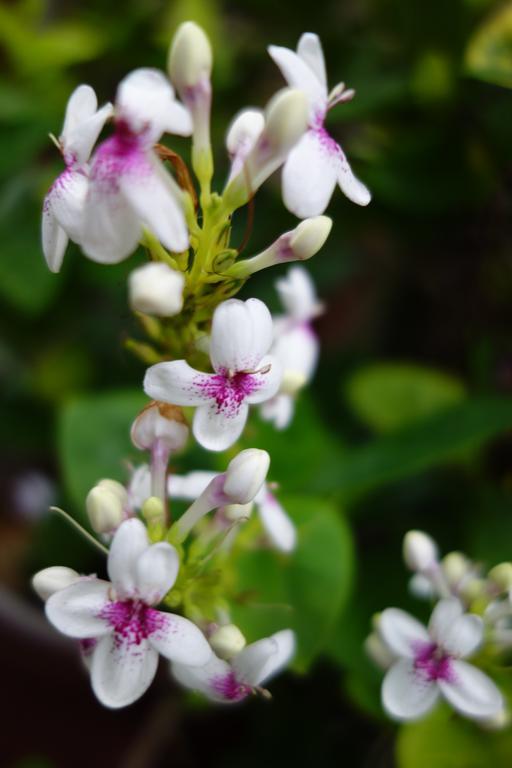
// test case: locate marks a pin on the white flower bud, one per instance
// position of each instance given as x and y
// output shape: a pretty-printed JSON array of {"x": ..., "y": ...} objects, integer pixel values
[
  {"x": 419, "y": 551},
  {"x": 51, "y": 580},
  {"x": 245, "y": 475},
  {"x": 420, "y": 586},
  {"x": 236, "y": 512},
  {"x": 156, "y": 289},
  {"x": 501, "y": 575},
  {"x": 286, "y": 119},
  {"x": 163, "y": 422},
  {"x": 116, "y": 488},
  {"x": 227, "y": 641},
  {"x": 309, "y": 236},
  {"x": 456, "y": 567},
  {"x": 378, "y": 651},
  {"x": 190, "y": 57},
  {"x": 104, "y": 508}
]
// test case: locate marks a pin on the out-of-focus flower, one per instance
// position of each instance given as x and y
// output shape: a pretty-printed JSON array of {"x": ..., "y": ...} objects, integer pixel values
[{"x": 156, "y": 289}]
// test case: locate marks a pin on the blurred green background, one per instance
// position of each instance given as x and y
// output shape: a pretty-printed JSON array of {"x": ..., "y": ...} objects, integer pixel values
[{"x": 406, "y": 425}]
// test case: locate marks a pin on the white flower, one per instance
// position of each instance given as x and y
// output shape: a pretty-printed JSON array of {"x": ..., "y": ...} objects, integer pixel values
[
  {"x": 156, "y": 289},
  {"x": 129, "y": 188},
  {"x": 244, "y": 374},
  {"x": 317, "y": 162},
  {"x": 64, "y": 204},
  {"x": 160, "y": 422},
  {"x": 276, "y": 523},
  {"x": 230, "y": 682},
  {"x": 296, "y": 344},
  {"x": 429, "y": 664},
  {"x": 120, "y": 617}
]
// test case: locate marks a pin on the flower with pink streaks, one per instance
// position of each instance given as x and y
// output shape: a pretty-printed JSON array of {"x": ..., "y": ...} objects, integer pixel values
[
  {"x": 244, "y": 374},
  {"x": 428, "y": 664},
  {"x": 120, "y": 631},
  {"x": 317, "y": 163}
]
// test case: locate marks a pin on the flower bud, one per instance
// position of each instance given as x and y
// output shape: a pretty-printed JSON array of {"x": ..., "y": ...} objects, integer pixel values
[
  {"x": 419, "y": 551},
  {"x": 420, "y": 586},
  {"x": 104, "y": 508},
  {"x": 455, "y": 567},
  {"x": 236, "y": 512},
  {"x": 190, "y": 57},
  {"x": 153, "y": 510},
  {"x": 501, "y": 575},
  {"x": 227, "y": 641},
  {"x": 245, "y": 475},
  {"x": 378, "y": 651},
  {"x": 51, "y": 580},
  {"x": 116, "y": 488},
  {"x": 156, "y": 289},
  {"x": 472, "y": 589},
  {"x": 163, "y": 422}
]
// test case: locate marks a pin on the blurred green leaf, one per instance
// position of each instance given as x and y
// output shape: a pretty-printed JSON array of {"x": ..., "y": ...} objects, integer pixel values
[
  {"x": 306, "y": 591},
  {"x": 443, "y": 437},
  {"x": 387, "y": 396},
  {"x": 94, "y": 440},
  {"x": 489, "y": 50}
]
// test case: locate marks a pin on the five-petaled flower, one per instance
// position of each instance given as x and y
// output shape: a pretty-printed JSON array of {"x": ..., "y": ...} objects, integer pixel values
[
  {"x": 429, "y": 664},
  {"x": 64, "y": 204},
  {"x": 232, "y": 681},
  {"x": 244, "y": 374},
  {"x": 129, "y": 188},
  {"x": 317, "y": 162},
  {"x": 128, "y": 631}
]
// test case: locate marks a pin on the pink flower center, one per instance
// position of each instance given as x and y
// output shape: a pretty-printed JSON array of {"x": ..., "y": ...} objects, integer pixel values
[
  {"x": 228, "y": 391},
  {"x": 229, "y": 688},
  {"x": 133, "y": 621},
  {"x": 120, "y": 155},
  {"x": 324, "y": 137},
  {"x": 433, "y": 663}
]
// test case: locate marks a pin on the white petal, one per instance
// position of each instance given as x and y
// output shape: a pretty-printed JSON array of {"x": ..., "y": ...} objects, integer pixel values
[
  {"x": 82, "y": 104},
  {"x": 310, "y": 174},
  {"x": 157, "y": 569},
  {"x": 53, "y": 237},
  {"x": 242, "y": 135},
  {"x": 277, "y": 524},
  {"x": 75, "y": 610},
  {"x": 177, "y": 383},
  {"x": 139, "y": 488},
  {"x": 155, "y": 198},
  {"x": 405, "y": 695},
  {"x": 128, "y": 544},
  {"x": 471, "y": 692},
  {"x": 214, "y": 679},
  {"x": 260, "y": 661},
  {"x": 265, "y": 385},
  {"x": 350, "y": 185},
  {"x": 81, "y": 140},
  {"x": 297, "y": 351},
  {"x": 279, "y": 410},
  {"x": 401, "y": 632},
  {"x": 443, "y": 616},
  {"x": 67, "y": 199},
  {"x": 241, "y": 335},
  {"x": 298, "y": 294},
  {"x": 216, "y": 429},
  {"x": 299, "y": 74},
  {"x": 189, "y": 487},
  {"x": 310, "y": 51},
  {"x": 122, "y": 672},
  {"x": 180, "y": 640},
  {"x": 145, "y": 99},
  {"x": 464, "y": 636}
]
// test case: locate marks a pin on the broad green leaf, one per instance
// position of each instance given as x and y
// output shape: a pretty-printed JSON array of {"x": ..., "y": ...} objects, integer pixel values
[
  {"x": 305, "y": 591},
  {"x": 444, "y": 437},
  {"x": 387, "y": 396},
  {"x": 94, "y": 440},
  {"x": 489, "y": 51}
]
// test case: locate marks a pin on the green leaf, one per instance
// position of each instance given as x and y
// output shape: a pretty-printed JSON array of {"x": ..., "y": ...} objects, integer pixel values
[
  {"x": 387, "y": 396},
  {"x": 94, "y": 440},
  {"x": 444, "y": 740},
  {"x": 444, "y": 437},
  {"x": 306, "y": 591},
  {"x": 489, "y": 51}
]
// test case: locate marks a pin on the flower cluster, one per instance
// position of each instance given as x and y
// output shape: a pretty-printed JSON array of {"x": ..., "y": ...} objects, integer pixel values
[
  {"x": 472, "y": 616},
  {"x": 205, "y": 349}
]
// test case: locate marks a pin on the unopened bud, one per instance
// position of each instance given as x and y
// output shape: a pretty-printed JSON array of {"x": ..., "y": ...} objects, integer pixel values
[
  {"x": 420, "y": 586},
  {"x": 472, "y": 589},
  {"x": 163, "y": 422},
  {"x": 227, "y": 641},
  {"x": 114, "y": 487},
  {"x": 51, "y": 580},
  {"x": 104, "y": 509},
  {"x": 309, "y": 236},
  {"x": 456, "y": 566},
  {"x": 419, "y": 551},
  {"x": 501, "y": 575},
  {"x": 236, "y": 512},
  {"x": 378, "y": 651},
  {"x": 153, "y": 510},
  {"x": 156, "y": 289},
  {"x": 190, "y": 57},
  {"x": 245, "y": 475}
]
